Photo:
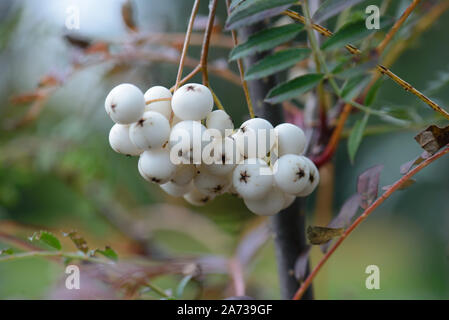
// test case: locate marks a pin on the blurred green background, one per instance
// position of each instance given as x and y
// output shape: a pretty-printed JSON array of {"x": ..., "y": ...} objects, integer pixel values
[{"x": 58, "y": 172}]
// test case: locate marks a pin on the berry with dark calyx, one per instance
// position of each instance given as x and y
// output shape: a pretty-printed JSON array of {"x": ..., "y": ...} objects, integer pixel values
[
  {"x": 252, "y": 179},
  {"x": 291, "y": 173},
  {"x": 314, "y": 179},
  {"x": 151, "y": 131},
  {"x": 210, "y": 184},
  {"x": 155, "y": 166},
  {"x": 125, "y": 104},
  {"x": 196, "y": 198},
  {"x": 192, "y": 101},
  {"x": 184, "y": 174},
  {"x": 176, "y": 190}
]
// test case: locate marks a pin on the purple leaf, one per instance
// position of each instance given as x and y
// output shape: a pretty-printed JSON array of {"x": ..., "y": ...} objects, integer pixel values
[
  {"x": 368, "y": 184},
  {"x": 408, "y": 165},
  {"x": 347, "y": 212},
  {"x": 301, "y": 264},
  {"x": 344, "y": 217}
]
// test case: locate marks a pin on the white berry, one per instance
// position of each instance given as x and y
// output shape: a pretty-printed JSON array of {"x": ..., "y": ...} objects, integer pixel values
[
  {"x": 187, "y": 140},
  {"x": 314, "y": 179},
  {"x": 210, "y": 184},
  {"x": 192, "y": 101},
  {"x": 290, "y": 139},
  {"x": 164, "y": 106},
  {"x": 291, "y": 173},
  {"x": 248, "y": 138},
  {"x": 176, "y": 190},
  {"x": 155, "y": 165},
  {"x": 224, "y": 157},
  {"x": 219, "y": 120},
  {"x": 252, "y": 179},
  {"x": 184, "y": 174},
  {"x": 197, "y": 198},
  {"x": 125, "y": 104},
  {"x": 151, "y": 131},
  {"x": 120, "y": 141},
  {"x": 269, "y": 205}
]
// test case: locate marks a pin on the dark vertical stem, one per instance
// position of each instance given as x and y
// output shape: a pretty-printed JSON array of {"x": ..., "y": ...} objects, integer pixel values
[{"x": 289, "y": 225}]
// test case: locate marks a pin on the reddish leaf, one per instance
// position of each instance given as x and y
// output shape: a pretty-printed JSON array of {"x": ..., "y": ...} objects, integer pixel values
[
  {"x": 347, "y": 212},
  {"x": 408, "y": 165},
  {"x": 368, "y": 184},
  {"x": 301, "y": 264},
  {"x": 344, "y": 217},
  {"x": 128, "y": 15},
  {"x": 433, "y": 138}
]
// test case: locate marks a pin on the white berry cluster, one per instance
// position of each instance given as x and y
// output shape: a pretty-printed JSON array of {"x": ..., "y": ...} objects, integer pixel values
[{"x": 194, "y": 152}]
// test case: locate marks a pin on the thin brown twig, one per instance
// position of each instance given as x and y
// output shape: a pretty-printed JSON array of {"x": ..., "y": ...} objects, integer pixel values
[
  {"x": 206, "y": 41},
  {"x": 186, "y": 41},
  {"x": 364, "y": 215},
  {"x": 242, "y": 72},
  {"x": 157, "y": 100},
  {"x": 381, "y": 47}
]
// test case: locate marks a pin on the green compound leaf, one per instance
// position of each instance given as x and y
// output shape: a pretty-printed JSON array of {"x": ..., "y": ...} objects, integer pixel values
[
  {"x": 266, "y": 40},
  {"x": 293, "y": 88},
  {"x": 330, "y": 8},
  {"x": 276, "y": 62},
  {"x": 356, "y": 135},
  {"x": 252, "y": 11},
  {"x": 351, "y": 32}
]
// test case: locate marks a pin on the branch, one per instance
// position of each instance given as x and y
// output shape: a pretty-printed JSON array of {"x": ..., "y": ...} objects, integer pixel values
[
  {"x": 206, "y": 41},
  {"x": 381, "y": 47},
  {"x": 69, "y": 255},
  {"x": 241, "y": 71},
  {"x": 353, "y": 50},
  {"x": 364, "y": 215},
  {"x": 186, "y": 41}
]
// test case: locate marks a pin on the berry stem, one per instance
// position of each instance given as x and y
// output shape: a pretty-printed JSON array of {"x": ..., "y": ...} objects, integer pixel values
[
  {"x": 364, "y": 215},
  {"x": 206, "y": 41},
  {"x": 157, "y": 100},
  {"x": 186, "y": 42},
  {"x": 216, "y": 99},
  {"x": 241, "y": 71}
]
